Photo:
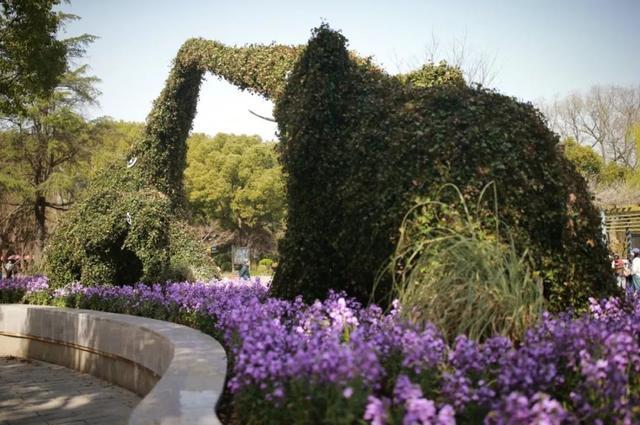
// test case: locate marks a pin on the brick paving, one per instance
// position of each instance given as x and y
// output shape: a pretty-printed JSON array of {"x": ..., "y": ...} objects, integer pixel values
[{"x": 39, "y": 393}]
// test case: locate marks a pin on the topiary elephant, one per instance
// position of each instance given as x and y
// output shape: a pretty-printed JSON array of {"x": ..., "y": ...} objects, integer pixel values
[{"x": 357, "y": 146}]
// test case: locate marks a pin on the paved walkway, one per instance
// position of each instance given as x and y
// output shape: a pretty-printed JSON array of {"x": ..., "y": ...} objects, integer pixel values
[{"x": 38, "y": 393}]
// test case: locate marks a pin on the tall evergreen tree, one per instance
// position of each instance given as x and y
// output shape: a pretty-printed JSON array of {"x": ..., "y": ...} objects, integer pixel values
[
  {"x": 31, "y": 58},
  {"x": 46, "y": 136}
]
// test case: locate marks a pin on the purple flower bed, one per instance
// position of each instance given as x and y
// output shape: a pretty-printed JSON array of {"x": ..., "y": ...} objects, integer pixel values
[{"x": 338, "y": 362}]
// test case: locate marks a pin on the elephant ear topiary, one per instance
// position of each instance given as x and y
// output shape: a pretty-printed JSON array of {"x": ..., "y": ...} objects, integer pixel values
[{"x": 359, "y": 146}]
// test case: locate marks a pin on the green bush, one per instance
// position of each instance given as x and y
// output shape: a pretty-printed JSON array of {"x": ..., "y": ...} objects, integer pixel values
[
  {"x": 585, "y": 159},
  {"x": 266, "y": 262},
  {"x": 451, "y": 269},
  {"x": 358, "y": 146}
]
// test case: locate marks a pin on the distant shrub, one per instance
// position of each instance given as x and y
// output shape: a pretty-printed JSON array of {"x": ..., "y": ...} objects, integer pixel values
[
  {"x": 189, "y": 258},
  {"x": 267, "y": 262},
  {"x": 223, "y": 259}
]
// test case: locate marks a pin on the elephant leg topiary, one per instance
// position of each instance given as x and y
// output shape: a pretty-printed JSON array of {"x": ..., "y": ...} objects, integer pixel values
[
  {"x": 357, "y": 146},
  {"x": 117, "y": 234}
]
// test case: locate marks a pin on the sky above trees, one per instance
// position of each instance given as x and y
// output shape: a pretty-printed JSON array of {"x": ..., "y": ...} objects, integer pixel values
[{"x": 538, "y": 50}]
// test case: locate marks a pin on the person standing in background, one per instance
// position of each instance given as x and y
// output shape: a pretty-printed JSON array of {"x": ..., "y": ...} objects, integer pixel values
[
  {"x": 635, "y": 270},
  {"x": 9, "y": 267},
  {"x": 244, "y": 270},
  {"x": 618, "y": 269}
]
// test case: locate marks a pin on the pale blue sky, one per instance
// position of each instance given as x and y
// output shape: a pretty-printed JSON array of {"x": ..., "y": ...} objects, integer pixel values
[{"x": 541, "y": 48}]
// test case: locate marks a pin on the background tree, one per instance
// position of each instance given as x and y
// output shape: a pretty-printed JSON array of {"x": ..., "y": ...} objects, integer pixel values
[
  {"x": 31, "y": 62},
  {"x": 31, "y": 58},
  {"x": 602, "y": 118},
  {"x": 43, "y": 149},
  {"x": 476, "y": 67},
  {"x": 586, "y": 160},
  {"x": 235, "y": 182},
  {"x": 46, "y": 136}
]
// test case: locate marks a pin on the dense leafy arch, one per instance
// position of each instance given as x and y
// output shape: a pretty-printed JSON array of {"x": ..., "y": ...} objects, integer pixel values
[{"x": 358, "y": 145}]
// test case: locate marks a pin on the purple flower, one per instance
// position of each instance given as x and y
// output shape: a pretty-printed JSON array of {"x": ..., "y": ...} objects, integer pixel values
[
  {"x": 565, "y": 367},
  {"x": 517, "y": 409},
  {"x": 419, "y": 411},
  {"x": 376, "y": 411}
]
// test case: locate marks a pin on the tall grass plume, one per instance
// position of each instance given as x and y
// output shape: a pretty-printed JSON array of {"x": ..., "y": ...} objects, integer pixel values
[{"x": 460, "y": 270}]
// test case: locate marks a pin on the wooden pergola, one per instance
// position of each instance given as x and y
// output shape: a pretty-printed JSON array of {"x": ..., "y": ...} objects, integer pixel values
[{"x": 621, "y": 224}]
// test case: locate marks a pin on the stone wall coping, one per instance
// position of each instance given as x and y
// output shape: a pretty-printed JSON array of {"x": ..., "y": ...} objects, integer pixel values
[{"x": 190, "y": 365}]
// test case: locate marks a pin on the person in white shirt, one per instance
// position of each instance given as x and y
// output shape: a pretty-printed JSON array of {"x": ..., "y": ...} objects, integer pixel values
[
  {"x": 635, "y": 270},
  {"x": 10, "y": 268}
]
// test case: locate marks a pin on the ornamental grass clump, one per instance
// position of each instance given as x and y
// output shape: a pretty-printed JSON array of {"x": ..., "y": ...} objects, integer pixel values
[{"x": 453, "y": 270}]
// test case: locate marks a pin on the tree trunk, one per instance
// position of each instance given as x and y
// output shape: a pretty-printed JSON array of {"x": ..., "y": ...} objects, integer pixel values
[{"x": 39, "y": 210}]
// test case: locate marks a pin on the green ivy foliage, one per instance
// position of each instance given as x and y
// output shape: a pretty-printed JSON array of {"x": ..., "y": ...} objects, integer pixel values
[
  {"x": 431, "y": 75},
  {"x": 359, "y": 146},
  {"x": 95, "y": 242}
]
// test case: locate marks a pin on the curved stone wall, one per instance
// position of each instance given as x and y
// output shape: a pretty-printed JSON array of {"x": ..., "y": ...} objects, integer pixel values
[{"x": 179, "y": 371}]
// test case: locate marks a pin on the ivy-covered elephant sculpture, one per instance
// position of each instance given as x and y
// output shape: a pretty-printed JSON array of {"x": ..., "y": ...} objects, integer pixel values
[{"x": 357, "y": 146}]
